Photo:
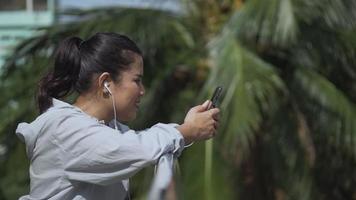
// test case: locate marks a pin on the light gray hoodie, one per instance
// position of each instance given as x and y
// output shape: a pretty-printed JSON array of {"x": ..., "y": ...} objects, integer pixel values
[{"x": 74, "y": 156}]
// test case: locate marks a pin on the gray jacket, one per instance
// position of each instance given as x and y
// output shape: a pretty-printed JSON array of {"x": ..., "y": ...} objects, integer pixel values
[{"x": 74, "y": 156}]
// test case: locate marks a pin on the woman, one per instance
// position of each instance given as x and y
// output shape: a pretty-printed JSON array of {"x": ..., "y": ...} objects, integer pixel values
[{"x": 74, "y": 151}]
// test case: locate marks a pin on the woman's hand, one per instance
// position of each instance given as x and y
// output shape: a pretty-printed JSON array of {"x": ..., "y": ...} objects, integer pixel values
[{"x": 200, "y": 123}]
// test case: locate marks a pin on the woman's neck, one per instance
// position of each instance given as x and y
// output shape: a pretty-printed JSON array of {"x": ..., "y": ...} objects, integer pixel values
[{"x": 93, "y": 107}]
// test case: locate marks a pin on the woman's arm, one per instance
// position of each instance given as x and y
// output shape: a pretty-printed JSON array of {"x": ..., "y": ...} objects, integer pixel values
[{"x": 98, "y": 154}]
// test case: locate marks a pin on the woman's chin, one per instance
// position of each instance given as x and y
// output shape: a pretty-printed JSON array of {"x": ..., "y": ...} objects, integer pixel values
[
  {"x": 128, "y": 118},
  {"x": 133, "y": 116}
]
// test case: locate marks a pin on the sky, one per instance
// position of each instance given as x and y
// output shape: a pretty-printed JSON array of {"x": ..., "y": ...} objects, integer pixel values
[{"x": 172, "y": 5}]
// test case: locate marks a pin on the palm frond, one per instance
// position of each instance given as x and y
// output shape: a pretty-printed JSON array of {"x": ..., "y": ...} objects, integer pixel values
[
  {"x": 267, "y": 22},
  {"x": 252, "y": 86},
  {"x": 330, "y": 13},
  {"x": 337, "y": 107}
]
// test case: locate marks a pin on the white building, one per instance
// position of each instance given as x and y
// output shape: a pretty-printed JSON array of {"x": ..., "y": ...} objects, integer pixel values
[{"x": 19, "y": 20}]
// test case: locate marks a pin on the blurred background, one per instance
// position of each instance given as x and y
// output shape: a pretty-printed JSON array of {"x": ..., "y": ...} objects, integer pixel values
[{"x": 288, "y": 69}]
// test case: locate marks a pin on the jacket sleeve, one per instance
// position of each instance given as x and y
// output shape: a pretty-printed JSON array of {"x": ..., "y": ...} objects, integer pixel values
[{"x": 98, "y": 154}]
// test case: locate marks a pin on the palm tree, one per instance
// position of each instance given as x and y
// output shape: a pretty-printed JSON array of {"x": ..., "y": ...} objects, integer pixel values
[
  {"x": 288, "y": 71},
  {"x": 287, "y": 109}
]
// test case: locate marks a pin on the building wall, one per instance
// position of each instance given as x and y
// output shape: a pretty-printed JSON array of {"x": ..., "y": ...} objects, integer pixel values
[{"x": 18, "y": 22}]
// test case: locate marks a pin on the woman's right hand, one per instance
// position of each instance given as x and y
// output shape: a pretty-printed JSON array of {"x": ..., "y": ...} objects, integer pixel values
[{"x": 200, "y": 123}]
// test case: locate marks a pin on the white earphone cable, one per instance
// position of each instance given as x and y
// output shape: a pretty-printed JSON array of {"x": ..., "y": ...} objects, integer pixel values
[
  {"x": 113, "y": 104},
  {"x": 188, "y": 145},
  {"x": 116, "y": 128}
]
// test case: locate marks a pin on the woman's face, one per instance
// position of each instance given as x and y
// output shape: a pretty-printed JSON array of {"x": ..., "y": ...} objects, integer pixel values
[{"x": 128, "y": 90}]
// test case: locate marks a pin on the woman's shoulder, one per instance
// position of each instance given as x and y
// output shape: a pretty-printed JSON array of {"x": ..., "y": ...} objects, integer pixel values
[{"x": 60, "y": 114}]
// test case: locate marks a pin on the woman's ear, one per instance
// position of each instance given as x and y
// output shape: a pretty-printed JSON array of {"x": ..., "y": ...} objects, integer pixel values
[{"x": 104, "y": 82}]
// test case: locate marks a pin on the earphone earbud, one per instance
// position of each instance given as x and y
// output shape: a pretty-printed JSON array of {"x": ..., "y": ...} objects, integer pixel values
[{"x": 106, "y": 85}]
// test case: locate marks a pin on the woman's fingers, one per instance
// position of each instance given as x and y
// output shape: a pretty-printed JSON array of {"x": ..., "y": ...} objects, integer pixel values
[
  {"x": 216, "y": 117},
  {"x": 203, "y": 107},
  {"x": 206, "y": 104},
  {"x": 216, "y": 125},
  {"x": 214, "y": 111},
  {"x": 210, "y": 104},
  {"x": 213, "y": 124}
]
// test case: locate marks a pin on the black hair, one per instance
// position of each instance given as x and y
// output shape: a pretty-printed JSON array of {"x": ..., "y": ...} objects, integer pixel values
[{"x": 77, "y": 61}]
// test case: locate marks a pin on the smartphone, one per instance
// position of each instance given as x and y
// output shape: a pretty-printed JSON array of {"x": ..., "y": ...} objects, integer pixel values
[{"x": 216, "y": 96}]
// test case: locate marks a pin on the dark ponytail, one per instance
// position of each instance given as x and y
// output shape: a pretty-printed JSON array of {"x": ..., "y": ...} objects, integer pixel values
[
  {"x": 78, "y": 61},
  {"x": 59, "y": 82}
]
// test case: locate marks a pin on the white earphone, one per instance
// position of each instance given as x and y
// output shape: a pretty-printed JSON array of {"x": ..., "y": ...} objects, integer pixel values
[{"x": 106, "y": 85}]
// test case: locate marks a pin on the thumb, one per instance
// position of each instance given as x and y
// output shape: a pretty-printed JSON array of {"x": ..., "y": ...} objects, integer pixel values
[{"x": 204, "y": 106}]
